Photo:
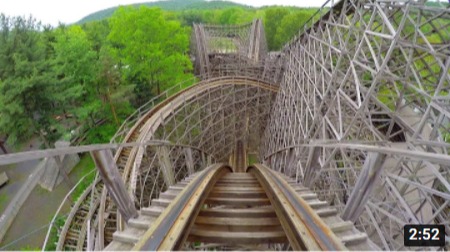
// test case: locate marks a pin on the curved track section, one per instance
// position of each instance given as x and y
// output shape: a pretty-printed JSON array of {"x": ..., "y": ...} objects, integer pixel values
[
  {"x": 141, "y": 167},
  {"x": 73, "y": 236},
  {"x": 363, "y": 86}
]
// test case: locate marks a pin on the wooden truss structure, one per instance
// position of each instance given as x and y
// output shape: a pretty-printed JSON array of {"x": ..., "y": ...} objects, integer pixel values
[
  {"x": 363, "y": 107},
  {"x": 234, "y": 50},
  {"x": 356, "y": 107}
]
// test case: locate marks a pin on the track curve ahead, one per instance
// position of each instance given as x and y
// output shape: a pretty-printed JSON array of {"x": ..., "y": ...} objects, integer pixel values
[{"x": 73, "y": 235}]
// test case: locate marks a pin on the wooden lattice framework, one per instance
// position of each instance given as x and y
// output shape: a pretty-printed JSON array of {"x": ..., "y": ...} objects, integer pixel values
[
  {"x": 364, "y": 105},
  {"x": 234, "y": 50},
  {"x": 356, "y": 107}
]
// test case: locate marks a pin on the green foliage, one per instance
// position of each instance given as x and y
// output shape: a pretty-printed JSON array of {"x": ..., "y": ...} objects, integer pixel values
[
  {"x": 152, "y": 49},
  {"x": 48, "y": 73},
  {"x": 278, "y": 31},
  {"x": 76, "y": 70},
  {"x": 290, "y": 26},
  {"x": 272, "y": 21},
  {"x": 252, "y": 159},
  {"x": 173, "y": 5},
  {"x": 26, "y": 85},
  {"x": 30, "y": 248},
  {"x": 85, "y": 165},
  {"x": 101, "y": 134},
  {"x": 55, "y": 80},
  {"x": 53, "y": 238},
  {"x": 96, "y": 33},
  {"x": 231, "y": 16},
  {"x": 387, "y": 96},
  {"x": 3, "y": 199}
]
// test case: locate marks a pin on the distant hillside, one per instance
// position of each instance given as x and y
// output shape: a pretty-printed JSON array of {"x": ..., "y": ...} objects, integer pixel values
[{"x": 172, "y": 5}]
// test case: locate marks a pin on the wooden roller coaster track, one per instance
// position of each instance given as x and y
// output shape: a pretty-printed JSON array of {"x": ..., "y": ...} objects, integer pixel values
[
  {"x": 260, "y": 209},
  {"x": 349, "y": 106},
  {"x": 71, "y": 238},
  {"x": 349, "y": 123}
]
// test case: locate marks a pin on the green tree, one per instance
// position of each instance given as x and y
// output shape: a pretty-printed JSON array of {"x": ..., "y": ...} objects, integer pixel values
[
  {"x": 272, "y": 21},
  {"x": 231, "y": 16},
  {"x": 27, "y": 101},
  {"x": 76, "y": 68},
  {"x": 108, "y": 81},
  {"x": 96, "y": 32},
  {"x": 151, "y": 49},
  {"x": 290, "y": 26},
  {"x": 190, "y": 17}
]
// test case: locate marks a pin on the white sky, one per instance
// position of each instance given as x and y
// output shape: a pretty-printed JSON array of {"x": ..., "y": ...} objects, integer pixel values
[{"x": 54, "y": 11}]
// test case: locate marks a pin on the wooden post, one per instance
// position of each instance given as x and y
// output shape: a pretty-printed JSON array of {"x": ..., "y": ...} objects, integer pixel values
[
  {"x": 208, "y": 161},
  {"x": 312, "y": 166},
  {"x": 239, "y": 157},
  {"x": 290, "y": 170},
  {"x": 369, "y": 175},
  {"x": 189, "y": 160},
  {"x": 63, "y": 171},
  {"x": 204, "y": 161},
  {"x": 166, "y": 165},
  {"x": 114, "y": 184}
]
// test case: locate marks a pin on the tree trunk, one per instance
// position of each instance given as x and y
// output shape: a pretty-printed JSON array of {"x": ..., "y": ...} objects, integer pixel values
[
  {"x": 3, "y": 147},
  {"x": 108, "y": 96}
]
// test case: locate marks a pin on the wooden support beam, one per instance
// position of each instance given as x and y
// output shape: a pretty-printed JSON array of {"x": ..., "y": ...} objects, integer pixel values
[
  {"x": 166, "y": 165},
  {"x": 312, "y": 166},
  {"x": 62, "y": 170},
  {"x": 114, "y": 184},
  {"x": 239, "y": 157},
  {"x": 368, "y": 177},
  {"x": 290, "y": 166},
  {"x": 189, "y": 160}
]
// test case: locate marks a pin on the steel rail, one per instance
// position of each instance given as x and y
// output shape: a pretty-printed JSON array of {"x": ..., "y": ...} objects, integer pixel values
[
  {"x": 171, "y": 228},
  {"x": 304, "y": 228}
]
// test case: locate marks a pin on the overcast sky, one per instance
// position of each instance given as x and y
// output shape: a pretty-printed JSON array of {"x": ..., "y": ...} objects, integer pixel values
[{"x": 54, "y": 11}]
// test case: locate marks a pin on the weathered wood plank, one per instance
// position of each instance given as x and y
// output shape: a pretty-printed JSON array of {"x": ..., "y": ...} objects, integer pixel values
[
  {"x": 198, "y": 235},
  {"x": 239, "y": 212}
]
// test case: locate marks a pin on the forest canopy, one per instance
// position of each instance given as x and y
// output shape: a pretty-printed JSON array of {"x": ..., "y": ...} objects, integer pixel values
[{"x": 85, "y": 79}]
